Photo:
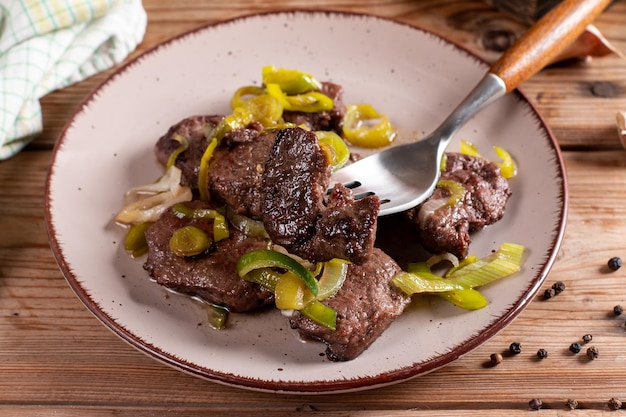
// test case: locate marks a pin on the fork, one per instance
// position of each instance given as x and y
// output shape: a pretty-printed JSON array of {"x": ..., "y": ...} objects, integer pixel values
[{"x": 404, "y": 176}]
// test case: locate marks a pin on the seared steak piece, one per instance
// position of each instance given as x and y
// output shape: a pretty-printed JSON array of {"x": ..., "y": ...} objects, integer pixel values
[
  {"x": 293, "y": 187},
  {"x": 325, "y": 120},
  {"x": 366, "y": 305},
  {"x": 235, "y": 173},
  {"x": 194, "y": 129},
  {"x": 346, "y": 228},
  {"x": 447, "y": 229},
  {"x": 281, "y": 178},
  {"x": 211, "y": 276},
  {"x": 293, "y": 190}
]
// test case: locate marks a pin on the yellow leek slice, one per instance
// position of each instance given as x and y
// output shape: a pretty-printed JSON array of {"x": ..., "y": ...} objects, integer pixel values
[
  {"x": 184, "y": 144},
  {"x": 366, "y": 127},
  {"x": 423, "y": 282},
  {"x": 217, "y": 316},
  {"x": 135, "y": 241},
  {"x": 246, "y": 225},
  {"x": 321, "y": 314},
  {"x": 504, "y": 262},
  {"x": 507, "y": 165},
  {"x": 469, "y": 299},
  {"x": 332, "y": 279},
  {"x": 335, "y": 148},
  {"x": 291, "y": 81},
  {"x": 189, "y": 241},
  {"x": 263, "y": 258},
  {"x": 455, "y": 189},
  {"x": 290, "y": 292},
  {"x": 468, "y": 148},
  {"x": 238, "y": 99},
  {"x": 220, "y": 224},
  {"x": 311, "y": 102}
]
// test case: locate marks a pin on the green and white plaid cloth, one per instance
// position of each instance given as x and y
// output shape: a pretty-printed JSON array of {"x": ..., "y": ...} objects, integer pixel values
[{"x": 46, "y": 45}]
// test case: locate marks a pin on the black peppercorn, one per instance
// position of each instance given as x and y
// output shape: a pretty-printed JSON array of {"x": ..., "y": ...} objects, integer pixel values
[
  {"x": 575, "y": 347},
  {"x": 615, "y": 263},
  {"x": 614, "y": 404},
  {"x": 495, "y": 358},
  {"x": 571, "y": 404},
  {"x": 542, "y": 353},
  {"x": 593, "y": 352},
  {"x": 587, "y": 338},
  {"x": 618, "y": 310},
  {"x": 549, "y": 293},
  {"x": 515, "y": 348},
  {"x": 558, "y": 287},
  {"x": 535, "y": 404}
]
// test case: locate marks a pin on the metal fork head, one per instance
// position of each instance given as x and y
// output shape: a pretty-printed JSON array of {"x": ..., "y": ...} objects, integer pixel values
[{"x": 402, "y": 176}]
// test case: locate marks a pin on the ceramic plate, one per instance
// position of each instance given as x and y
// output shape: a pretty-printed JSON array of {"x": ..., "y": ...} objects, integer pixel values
[{"x": 412, "y": 75}]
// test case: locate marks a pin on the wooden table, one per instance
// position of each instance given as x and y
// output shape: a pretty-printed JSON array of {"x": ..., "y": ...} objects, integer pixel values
[{"x": 57, "y": 359}]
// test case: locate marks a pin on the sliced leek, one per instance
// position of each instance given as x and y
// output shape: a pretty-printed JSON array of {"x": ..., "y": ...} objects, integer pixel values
[
  {"x": 146, "y": 203},
  {"x": 332, "y": 279},
  {"x": 220, "y": 225},
  {"x": 290, "y": 293},
  {"x": 321, "y": 314},
  {"x": 459, "y": 283},
  {"x": 505, "y": 261}
]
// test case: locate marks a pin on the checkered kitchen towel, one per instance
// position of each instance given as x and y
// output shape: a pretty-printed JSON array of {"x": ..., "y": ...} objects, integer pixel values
[{"x": 49, "y": 44}]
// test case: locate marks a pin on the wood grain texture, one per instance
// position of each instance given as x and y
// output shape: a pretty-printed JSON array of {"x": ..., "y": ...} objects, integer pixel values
[
  {"x": 545, "y": 40},
  {"x": 57, "y": 359}
]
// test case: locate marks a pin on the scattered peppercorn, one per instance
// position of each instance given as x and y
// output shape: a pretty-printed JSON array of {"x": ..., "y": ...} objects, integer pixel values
[
  {"x": 615, "y": 263},
  {"x": 542, "y": 353},
  {"x": 549, "y": 293},
  {"x": 575, "y": 347},
  {"x": 618, "y": 309},
  {"x": 587, "y": 338},
  {"x": 614, "y": 404},
  {"x": 558, "y": 287},
  {"x": 535, "y": 404},
  {"x": 571, "y": 404},
  {"x": 515, "y": 348},
  {"x": 593, "y": 352},
  {"x": 495, "y": 358}
]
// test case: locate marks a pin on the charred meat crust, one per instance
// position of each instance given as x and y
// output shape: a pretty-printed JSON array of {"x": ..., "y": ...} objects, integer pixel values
[
  {"x": 346, "y": 228},
  {"x": 293, "y": 187},
  {"x": 211, "y": 276},
  {"x": 235, "y": 174},
  {"x": 366, "y": 305},
  {"x": 294, "y": 211}
]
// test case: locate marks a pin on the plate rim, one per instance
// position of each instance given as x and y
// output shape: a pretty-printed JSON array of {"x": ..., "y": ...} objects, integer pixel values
[{"x": 323, "y": 386}]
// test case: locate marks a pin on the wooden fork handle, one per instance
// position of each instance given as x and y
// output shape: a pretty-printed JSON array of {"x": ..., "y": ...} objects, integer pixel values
[{"x": 545, "y": 40}]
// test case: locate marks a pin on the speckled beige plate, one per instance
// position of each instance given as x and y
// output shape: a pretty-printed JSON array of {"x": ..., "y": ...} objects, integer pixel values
[{"x": 412, "y": 75}]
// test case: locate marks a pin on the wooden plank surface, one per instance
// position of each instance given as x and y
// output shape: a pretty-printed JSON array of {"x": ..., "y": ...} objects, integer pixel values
[{"x": 57, "y": 359}]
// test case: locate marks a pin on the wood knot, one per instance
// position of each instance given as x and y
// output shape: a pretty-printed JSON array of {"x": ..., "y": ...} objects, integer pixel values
[
  {"x": 604, "y": 89},
  {"x": 498, "y": 40}
]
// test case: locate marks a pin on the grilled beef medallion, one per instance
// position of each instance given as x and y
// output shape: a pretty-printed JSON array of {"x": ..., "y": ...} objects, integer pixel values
[
  {"x": 367, "y": 303},
  {"x": 293, "y": 207},
  {"x": 443, "y": 228},
  {"x": 194, "y": 129},
  {"x": 235, "y": 174},
  {"x": 280, "y": 177},
  {"x": 211, "y": 276}
]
